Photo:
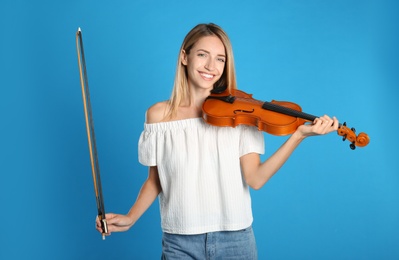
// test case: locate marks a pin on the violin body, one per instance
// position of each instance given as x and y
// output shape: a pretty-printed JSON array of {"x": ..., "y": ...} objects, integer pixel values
[
  {"x": 248, "y": 111},
  {"x": 235, "y": 107}
]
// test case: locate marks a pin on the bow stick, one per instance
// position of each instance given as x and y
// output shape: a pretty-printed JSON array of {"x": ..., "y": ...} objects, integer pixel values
[{"x": 95, "y": 169}]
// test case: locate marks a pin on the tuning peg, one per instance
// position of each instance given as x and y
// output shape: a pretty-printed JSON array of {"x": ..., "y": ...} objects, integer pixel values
[
  {"x": 353, "y": 129},
  {"x": 352, "y": 146}
]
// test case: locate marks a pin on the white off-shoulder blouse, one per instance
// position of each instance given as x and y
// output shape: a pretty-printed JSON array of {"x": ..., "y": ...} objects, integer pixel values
[{"x": 203, "y": 189}]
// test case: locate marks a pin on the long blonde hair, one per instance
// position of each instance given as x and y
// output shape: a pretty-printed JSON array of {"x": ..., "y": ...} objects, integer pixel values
[{"x": 180, "y": 90}]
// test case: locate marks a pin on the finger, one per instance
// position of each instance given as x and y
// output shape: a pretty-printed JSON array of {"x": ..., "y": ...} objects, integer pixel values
[
  {"x": 325, "y": 118},
  {"x": 108, "y": 216},
  {"x": 318, "y": 121},
  {"x": 98, "y": 222},
  {"x": 330, "y": 125},
  {"x": 114, "y": 228},
  {"x": 326, "y": 121},
  {"x": 336, "y": 123},
  {"x": 112, "y": 219},
  {"x": 99, "y": 229}
]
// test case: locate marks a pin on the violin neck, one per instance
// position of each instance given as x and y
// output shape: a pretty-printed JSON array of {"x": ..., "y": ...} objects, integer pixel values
[{"x": 287, "y": 111}]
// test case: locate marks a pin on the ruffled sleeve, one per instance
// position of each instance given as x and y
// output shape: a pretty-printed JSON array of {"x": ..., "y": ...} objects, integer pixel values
[
  {"x": 147, "y": 146},
  {"x": 251, "y": 141}
]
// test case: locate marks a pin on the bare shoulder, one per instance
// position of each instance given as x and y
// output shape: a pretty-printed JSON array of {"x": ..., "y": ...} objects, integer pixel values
[{"x": 157, "y": 112}]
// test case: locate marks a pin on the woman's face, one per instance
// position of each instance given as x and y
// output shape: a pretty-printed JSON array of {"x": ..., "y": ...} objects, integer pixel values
[{"x": 205, "y": 63}]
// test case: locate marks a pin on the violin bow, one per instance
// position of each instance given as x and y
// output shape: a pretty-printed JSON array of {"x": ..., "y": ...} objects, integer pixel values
[{"x": 95, "y": 168}]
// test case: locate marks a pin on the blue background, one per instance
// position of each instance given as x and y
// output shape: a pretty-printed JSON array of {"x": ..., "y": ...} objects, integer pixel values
[{"x": 332, "y": 57}]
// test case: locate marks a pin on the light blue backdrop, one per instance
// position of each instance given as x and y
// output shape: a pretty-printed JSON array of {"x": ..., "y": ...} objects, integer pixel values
[{"x": 332, "y": 57}]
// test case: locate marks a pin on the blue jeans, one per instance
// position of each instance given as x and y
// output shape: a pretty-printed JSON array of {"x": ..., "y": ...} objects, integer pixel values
[{"x": 214, "y": 245}]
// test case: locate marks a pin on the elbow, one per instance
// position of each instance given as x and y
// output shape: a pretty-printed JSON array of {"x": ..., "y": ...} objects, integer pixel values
[{"x": 255, "y": 184}]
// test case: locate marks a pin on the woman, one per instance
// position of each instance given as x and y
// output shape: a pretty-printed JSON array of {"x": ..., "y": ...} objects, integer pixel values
[{"x": 202, "y": 173}]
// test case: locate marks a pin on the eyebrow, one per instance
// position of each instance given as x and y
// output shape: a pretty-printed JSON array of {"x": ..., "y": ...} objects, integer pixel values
[{"x": 223, "y": 55}]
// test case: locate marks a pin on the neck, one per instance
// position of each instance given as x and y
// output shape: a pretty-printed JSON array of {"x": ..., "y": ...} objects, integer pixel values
[
  {"x": 192, "y": 105},
  {"x": 197, "y": 97}
]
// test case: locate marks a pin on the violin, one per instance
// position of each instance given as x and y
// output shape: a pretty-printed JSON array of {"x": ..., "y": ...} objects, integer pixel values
[{"x": 235, "y": 107}]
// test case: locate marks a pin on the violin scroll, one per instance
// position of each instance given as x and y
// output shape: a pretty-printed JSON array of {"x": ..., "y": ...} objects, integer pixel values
[{"x": 360, "y": 140}]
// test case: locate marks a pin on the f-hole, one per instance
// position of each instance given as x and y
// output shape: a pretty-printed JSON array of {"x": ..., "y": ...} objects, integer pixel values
[{"x": 243, "y": 111}]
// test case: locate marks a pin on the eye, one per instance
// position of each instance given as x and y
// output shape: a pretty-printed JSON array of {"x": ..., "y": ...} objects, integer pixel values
[
  {"x": 222, "y": 60},
  {"x": 201, "y": 54}
]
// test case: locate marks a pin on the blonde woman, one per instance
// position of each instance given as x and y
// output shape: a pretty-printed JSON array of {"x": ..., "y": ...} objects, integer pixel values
[{"x": 202, "y": 173}]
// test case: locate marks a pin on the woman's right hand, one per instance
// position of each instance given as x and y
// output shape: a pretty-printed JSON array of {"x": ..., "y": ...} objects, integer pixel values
[
  {"x": 148, "y": 193},
  {"x": 115, "y": 223}
]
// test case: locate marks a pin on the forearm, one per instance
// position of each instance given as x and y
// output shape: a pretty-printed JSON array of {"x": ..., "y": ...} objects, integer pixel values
[
  {"x": 269, "y": 167},
  {"x": 147, "y": 195},
  {"x": 257, "y": 173},
  {"x": 320, "y": 126}
]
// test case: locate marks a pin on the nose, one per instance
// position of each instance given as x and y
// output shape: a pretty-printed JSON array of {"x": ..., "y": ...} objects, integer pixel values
[{"x": 210, "y": 64}]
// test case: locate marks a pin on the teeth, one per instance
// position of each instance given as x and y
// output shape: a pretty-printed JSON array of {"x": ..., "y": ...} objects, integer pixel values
[{"x": 208, "y": 76}]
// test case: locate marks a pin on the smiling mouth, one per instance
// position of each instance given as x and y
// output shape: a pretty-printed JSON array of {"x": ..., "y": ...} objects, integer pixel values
[{"x": 207, "y": 76}]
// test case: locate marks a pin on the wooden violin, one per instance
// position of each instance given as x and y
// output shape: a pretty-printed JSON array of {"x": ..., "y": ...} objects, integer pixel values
[{"x": 235, "y": 107}]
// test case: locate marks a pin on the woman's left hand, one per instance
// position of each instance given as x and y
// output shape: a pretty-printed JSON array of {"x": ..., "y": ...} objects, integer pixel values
[{"x": 320, "y": 126}]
